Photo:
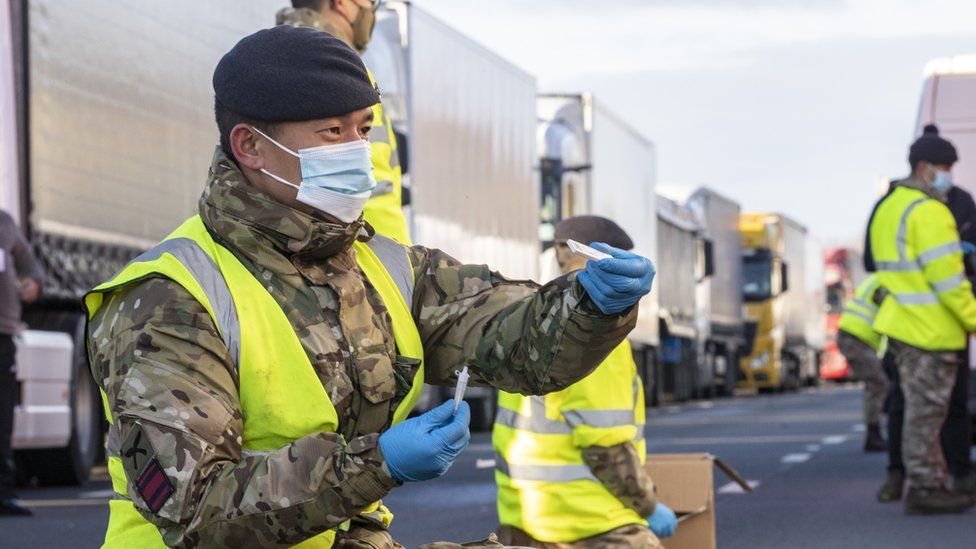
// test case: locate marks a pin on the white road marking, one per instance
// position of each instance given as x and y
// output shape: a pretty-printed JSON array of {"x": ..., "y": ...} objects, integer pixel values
[
  {"x": 858, "y": 428},
  {"x": 834, "y": 439},
  {"x": 795, "y": 458},
  {"x": 734, "y": 488},
  {"x": 484, "y": 464},
  {"x": 813, "y": 447},
  {"x": 104, "y": 494}
]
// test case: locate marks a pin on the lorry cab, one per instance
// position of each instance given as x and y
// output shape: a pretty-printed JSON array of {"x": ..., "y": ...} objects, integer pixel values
[{"x": 783, "y": 291}]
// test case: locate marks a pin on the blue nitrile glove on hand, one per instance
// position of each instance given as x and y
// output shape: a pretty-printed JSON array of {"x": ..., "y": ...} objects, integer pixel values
[
  {"x": 663, "y": 522},
  {"x": 424, "y": 447},
  {"x": 618, "y": 283},
  {"x": 968, "y": 247}
]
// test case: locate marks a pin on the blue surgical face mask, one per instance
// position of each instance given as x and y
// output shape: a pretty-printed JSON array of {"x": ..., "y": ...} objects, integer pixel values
[
  {"x": 336, "y": 179},
  {"x": 942, "y": 182}
]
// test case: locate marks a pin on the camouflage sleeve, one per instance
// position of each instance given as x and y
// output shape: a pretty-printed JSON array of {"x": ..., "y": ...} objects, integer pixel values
[
  {"x": 619, "y": 469},
  {"x": 515, "y": 335},
  {"x": 172, "y": 389}
]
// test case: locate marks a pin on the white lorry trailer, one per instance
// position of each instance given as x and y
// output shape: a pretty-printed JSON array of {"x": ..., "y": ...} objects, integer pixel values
[
  {"x": 720, "y": 303},
  {"x": 593, "y": 162},
  {"x": 106, "y": 134},
  {"x": 465, "y": 120},
  {"x": 682, "y": 268}
]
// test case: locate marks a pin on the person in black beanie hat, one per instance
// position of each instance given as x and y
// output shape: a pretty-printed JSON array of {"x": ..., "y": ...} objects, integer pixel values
[
  {"x": 910, "y": 220},
  {"x": 260, "y": 364}
]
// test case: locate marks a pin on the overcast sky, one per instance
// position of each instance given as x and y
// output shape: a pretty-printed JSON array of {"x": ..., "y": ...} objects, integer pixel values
[{"x": 797, "y": 106}]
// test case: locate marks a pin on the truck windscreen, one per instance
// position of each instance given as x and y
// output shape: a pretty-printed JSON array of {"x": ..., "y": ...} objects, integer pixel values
[{"x": 757, "y": 278}]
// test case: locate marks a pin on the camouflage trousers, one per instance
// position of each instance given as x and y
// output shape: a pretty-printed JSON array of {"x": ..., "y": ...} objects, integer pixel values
[
  {"x": 867, "y": 367},
  {"x": 632, "y": 536},
  {"x": 927, "y": 378},
  {"x": 366, "y": 536}
]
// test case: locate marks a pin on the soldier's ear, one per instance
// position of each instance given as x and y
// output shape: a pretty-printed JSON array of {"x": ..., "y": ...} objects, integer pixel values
[{"x": 243, "y": 143}]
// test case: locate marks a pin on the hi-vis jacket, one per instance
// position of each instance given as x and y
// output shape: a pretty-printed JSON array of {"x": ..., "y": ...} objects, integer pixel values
[
  {"x": 546, "y": 487},
  {"x": 384, "y": 211},
  {"x": 918, "y": 257},
  {"x": 250, "y": 362},
  {"x": 859, "y": 313}
]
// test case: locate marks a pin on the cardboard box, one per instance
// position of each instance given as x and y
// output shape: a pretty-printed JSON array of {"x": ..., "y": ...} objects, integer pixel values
[{"x": 685, "y": 484}]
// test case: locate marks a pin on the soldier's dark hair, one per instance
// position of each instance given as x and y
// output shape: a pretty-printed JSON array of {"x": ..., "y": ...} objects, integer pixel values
[
  {"x": 227, "y": 119},
  {"x": 310, "y": 4}
]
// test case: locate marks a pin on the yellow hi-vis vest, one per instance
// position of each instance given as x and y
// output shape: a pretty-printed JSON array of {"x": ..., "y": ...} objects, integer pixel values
[
  {"x": 384, "y": 211},
  {"x": 918, "y": 257},
  {"x": 859, "y": 313},
  {"x": 281, "y": 396},
  {"x": 544, "y": 487}
]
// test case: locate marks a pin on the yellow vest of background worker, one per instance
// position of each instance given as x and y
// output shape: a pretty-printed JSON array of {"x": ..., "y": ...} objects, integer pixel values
[
  {"x": 859, "y": 313},
  {"x": 384, "y": 211},
  {"x": 544, "y": 487},
  {"x": 281, "y": 396},
  {"x": 918, "y": 258}
]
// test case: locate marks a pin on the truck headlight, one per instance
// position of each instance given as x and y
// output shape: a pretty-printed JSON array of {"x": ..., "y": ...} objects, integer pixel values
[{"x": 760, "y": 361}]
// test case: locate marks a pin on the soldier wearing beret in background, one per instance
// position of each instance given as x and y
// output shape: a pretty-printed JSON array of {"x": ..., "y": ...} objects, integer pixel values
[{"x": 259, "y": 365}]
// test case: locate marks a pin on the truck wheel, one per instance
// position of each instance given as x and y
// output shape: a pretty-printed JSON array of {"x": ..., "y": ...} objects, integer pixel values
[{"x": 72, "y": 464}]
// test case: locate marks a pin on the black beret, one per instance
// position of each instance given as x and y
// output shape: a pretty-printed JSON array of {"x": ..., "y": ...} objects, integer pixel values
[
  {"x": 932, "y": 148},
  {"x": 292, "y": 74},
  {"x": 593, "y": 228}
]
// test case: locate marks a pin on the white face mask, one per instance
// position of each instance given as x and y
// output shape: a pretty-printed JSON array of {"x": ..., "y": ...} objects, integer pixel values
[{"x": 336, "y": 179}]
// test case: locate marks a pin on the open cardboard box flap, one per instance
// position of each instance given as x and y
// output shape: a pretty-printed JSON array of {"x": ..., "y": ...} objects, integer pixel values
[
  {"x": 685, "y": 483},
  {"x": 688, "y": 488}
]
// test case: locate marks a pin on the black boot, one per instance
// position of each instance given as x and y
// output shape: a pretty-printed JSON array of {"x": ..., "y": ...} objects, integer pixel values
[
  {"x": 935, "y": 501},
  {"x": 893, "y": 487},
  {"x": 10, "y": 507},
  {"x": 966, "y": 484},
  {"x": 874, "y": 442}
]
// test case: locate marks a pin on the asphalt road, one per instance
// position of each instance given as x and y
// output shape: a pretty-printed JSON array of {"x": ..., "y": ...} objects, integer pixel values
[{"x": 814, "y": 485}]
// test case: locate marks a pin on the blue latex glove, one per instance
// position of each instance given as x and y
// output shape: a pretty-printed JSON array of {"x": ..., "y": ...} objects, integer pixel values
[
  {"x": 968, "y": 247},
  {"x": 618, "y": 283},
  {"x": 663, "y": 522},
  {"x": 424, "y": 447}
]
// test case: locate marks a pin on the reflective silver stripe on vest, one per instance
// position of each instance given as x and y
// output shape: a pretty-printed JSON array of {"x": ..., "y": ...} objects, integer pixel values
[
  {"x": 543, "y": 473},
  {"x": 897, "y": 266},
  {"x": 901, "y": 243},
  {"x": 113, "y": 448},
  {"x": 211, "y": 280},
  {"x": 923, "y": 298},
  {"x": 902, "y": 238},
  {"x": 869, "y": 306},
  {"x": 939, "y": 252},
  {"x": 535, "y": 423},
  {"x": 859, "y": 314},
  {"x": 394, "y": 258},
  {"x": 950, "y": 283}
]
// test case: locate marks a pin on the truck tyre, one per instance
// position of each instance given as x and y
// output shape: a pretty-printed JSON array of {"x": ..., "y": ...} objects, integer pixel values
[{"x": 72, "y": 464}]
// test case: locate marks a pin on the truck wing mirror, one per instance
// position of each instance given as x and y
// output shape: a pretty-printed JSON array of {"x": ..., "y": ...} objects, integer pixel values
[
  {"x": 784, "y": 274},
  {"x": 709, "y": 249},
  {"x": 403, "y": 150}
]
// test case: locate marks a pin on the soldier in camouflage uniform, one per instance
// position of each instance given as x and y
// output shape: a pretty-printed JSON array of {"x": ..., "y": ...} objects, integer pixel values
[
  {"x": 172, "y": 384},
  {"x": 599, "y": 421},
  {"x": 352, "y": 22}
]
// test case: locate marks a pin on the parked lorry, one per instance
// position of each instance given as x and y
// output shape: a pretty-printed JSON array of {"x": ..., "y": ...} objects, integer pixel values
[
  {"x": 784, "y": 296},
  {"x": 107, "y": 131},
  {"x": 721, "y": 303},
  {"x": 106, "y": 134},
  {"x": 681, "y": 270},
  {"x": 949, "y": 101},
  {"x": 465, "y": 120},
  {"x": 593, "y": 162},
  {"x": 843, "y": 272}
]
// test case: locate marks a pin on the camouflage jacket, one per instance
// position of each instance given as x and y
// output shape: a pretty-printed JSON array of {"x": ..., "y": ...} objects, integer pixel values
[
  {"x": 621, "y": 472},
  {"x": 171, "y": 384}
]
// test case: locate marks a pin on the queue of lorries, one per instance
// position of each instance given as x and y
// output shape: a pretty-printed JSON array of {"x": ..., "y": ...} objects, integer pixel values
[{"x": 106, "y": 132}]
